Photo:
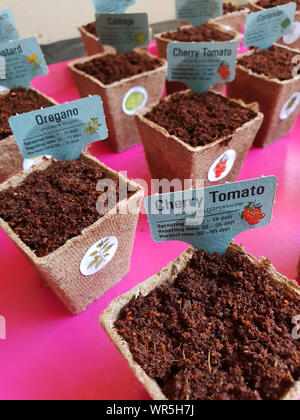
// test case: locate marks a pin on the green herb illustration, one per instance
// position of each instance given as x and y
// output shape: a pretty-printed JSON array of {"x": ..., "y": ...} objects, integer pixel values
[
  {"x": 34, "y": 61},
  {"x": 291, "y": 104},
  {"x": 92, "y": 126},
  {"x": 134, "y": 101},
  {"x": 101, "y": 254},
  {"x": 286, "y": 23}
]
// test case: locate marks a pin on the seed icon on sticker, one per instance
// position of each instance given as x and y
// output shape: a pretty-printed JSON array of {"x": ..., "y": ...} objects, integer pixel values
[
  {"x": 290, "y": 106},
  {"x": 99, "y": 255},
  {"x": 134, "y": 100},
  {"x": 222, "y": 166}
]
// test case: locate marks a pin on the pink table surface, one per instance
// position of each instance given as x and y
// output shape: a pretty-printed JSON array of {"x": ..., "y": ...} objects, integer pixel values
[{"x": 49, "y": 354}]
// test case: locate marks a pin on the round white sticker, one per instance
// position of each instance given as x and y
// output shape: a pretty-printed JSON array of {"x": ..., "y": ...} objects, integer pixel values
[
  {"x": 29, "y": 163},
  {"x": 294, "y": 35},
  {"x": 290, "y": 106},
  {"x": 134, "y": 100},
  {"x": 99, "y": 255},
  {"x": 222, "y": 166}
]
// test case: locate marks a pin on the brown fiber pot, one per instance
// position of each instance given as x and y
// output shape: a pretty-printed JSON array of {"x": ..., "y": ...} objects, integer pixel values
[
  {"x": 11, "y": 160},
  {"x": 295, "y": 45},
  {"x": 234, "y": 21},
  {"x": 170, "y": 158},
  {"x": 61, "y": 269},
  {"x": 92, "y": 43},
  {"x": 167, "y": 277},
  {"x": 272, "y": 96},
  {"x": 123, "y": 133},
  {"x": 162, "y": 46}
]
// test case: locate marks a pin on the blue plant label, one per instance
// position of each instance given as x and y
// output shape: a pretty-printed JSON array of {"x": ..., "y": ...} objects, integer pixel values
[
  {"x": 209, "y": 218},
  {"x": 267, "y": 26},
  {"x": 198, "y": 12},
  {"x": 112, "y": 6},
  {"x": 8, "y": 27},
  {"x": 2, "y": 68},
  {"x": 24, "y": 62},
  {"x": 61, "y": 131},
  {"x": 124, "y": 32},
  {"x": 200, "y": 65}
]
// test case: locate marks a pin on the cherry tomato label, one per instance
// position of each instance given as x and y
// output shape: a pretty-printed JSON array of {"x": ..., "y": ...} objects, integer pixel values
[
  {"x": 201, "y": 65},
  {"x": 210, "y": 218}
]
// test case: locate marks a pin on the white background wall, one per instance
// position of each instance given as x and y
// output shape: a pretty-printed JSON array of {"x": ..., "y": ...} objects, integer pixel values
[{"x": 54, "y": 20}]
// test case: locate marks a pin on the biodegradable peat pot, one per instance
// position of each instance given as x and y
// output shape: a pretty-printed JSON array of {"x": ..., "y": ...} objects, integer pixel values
[
  {"x": 293, "y": 40},
  {"x": 11, "y": 160},
  {"x": 91, "y": 40},
  {"x": 61, "y": 269},
  {"x": 123, "y": 133},
  {"x": 162, "y": 45},
  {"x": 233, "y": 21},
  {"x": 166, "y": 278},
  {"x": 171, "y": 158},
  {"x": 279, "y": 100}
]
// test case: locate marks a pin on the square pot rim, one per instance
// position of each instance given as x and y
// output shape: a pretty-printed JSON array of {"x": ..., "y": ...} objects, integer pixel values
[
  {"x": 166, "y": 277},
  {"x": 140, "y": 115},
  {"x": 73, "y": 69},
  {"x": 263, "y": 76},
  {"x": 237, "y": 13},
  {"x": 82, "y": 28},
  {"x": 139, "y": 191},
  {"x": 11, "y": 137},
  {"x": 218, "y": 26}
]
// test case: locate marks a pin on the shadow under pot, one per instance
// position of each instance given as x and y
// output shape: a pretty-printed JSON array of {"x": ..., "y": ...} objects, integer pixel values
[
  {"x": 292, "y": 40},
  {"x": 12, "y": 102},
  {"x": 78, "y": 238},
  {"x": 206, "y": 301},
  {"x": 210, "y": 32},
  {"x": 91, "y": 40},
  {"x": 266, "y": 77},
  {"x": 198, "y": 137},
  {"x": 126, "y": 82}
]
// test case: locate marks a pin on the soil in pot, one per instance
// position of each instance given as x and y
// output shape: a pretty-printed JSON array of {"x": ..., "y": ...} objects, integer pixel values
[
  {"x": 112, "y": 68},
  {"x": 18, "y": 101},
  {"x": 230, "y": 8},
  {"x": 54, "y": 205},
  {"x": 222, "y": 331},
  {"x": 199, "y": 120},
  {"x": 267, "y": 4},
  {"x": 274, "y": 63},
  {"x": 204, "y": 33}
]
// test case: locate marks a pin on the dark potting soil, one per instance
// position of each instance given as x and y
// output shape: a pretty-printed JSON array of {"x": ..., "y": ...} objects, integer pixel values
[
  {"x": 221, "y": 332},
  {"x": 204, "y": 33},
  {"x": 267, "y": 4},
  {"x": 112, "y": 68},
  {"x": 230, "y": 8},
  {"x": 91, "y": 28},
  {"x": 199, "y": 119},
  {"x": 18, "y": 101},
  {"x": 54, "y": 205},
  {"x": 275, "y": 63}
]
